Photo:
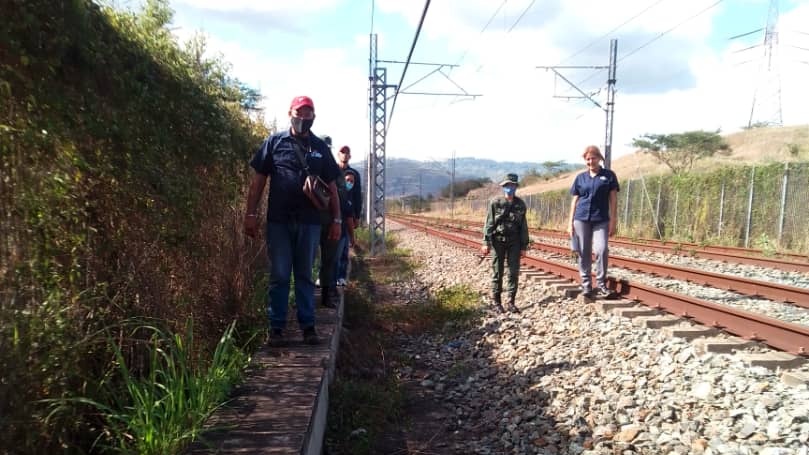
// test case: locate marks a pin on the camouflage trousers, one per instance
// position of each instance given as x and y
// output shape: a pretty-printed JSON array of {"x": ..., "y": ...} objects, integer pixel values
[{"x": 506, "y": 253}]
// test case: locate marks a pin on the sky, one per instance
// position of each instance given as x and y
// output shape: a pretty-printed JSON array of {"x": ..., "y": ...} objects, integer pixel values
[{"x": 677, "y": 70}]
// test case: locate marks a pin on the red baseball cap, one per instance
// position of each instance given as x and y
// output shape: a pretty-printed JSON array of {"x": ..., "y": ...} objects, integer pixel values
[{"x": 300, "y": 101}]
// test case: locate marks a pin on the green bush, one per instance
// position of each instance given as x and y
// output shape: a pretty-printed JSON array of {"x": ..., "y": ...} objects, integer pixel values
[{"x": 123, "y": 158}]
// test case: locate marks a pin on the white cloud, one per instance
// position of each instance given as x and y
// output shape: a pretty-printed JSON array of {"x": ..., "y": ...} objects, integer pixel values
[
  {"x": 266, "y": 6},
  {"x": 677, "y": 83}
]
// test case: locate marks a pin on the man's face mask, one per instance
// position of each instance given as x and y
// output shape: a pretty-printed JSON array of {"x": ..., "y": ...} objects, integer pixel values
[
  {"x": 509, "y": 190},
  {"x": 349, "y": 185},
  {"x": 300, "y": 125}
]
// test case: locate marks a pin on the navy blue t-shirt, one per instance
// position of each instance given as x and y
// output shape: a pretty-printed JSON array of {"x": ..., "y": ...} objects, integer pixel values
[
  {"x": 594, "y": 195},
  {"x": 277, "y": 159}
]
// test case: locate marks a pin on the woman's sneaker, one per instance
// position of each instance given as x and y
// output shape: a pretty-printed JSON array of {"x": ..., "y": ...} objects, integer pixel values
[
  {"x": 341, "y": 282},
  {"x": 605, "y": 292}
]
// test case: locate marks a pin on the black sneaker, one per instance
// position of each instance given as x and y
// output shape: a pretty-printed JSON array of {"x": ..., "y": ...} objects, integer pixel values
[
  {"x": 588, "y": 293},
  {"x": 310, "y": 336},
  {"x": 276, "y": 338}
]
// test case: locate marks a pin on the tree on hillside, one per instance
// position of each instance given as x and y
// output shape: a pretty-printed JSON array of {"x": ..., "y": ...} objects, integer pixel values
[
  {"x": 462, "y": 187},
  {"x": 681, "y": 150},
  {"x": 554, "y": 168}
]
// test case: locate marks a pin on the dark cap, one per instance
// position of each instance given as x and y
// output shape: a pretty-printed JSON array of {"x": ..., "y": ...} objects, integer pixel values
[{"x": 509, "y": 178}]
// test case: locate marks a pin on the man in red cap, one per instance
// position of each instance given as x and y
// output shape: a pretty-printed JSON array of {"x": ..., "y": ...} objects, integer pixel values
[{"x": 293, "y": 221}]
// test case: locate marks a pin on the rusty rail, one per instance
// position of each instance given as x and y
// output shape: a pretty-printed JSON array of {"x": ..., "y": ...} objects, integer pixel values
[
  {"x": 747, "y": 286},
  {"x": 785, "y": 336},
  {"x": 786, "y": 261}
]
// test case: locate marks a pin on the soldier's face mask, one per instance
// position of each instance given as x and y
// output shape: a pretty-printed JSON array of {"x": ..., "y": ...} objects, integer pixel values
[{"x": 509, "y": 190}]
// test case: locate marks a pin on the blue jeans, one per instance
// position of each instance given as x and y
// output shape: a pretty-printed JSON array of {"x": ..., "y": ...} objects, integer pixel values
[
  {"x": 291, "y": 247},
  {"x": 342, "y": 257}
]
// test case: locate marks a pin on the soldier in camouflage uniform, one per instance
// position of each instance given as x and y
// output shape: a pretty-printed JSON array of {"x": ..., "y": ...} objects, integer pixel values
[{"x": 506, "y": 231}]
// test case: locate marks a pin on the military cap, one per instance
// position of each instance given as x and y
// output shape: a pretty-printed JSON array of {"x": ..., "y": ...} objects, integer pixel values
[{"x": 509, "y": 178}]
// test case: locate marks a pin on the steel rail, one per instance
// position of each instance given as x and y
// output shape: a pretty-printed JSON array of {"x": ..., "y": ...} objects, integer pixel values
[
  {"x": 784, "y": 336},
  {"x": 787, "y": 261},
  {"x": 747, "y": 286}
]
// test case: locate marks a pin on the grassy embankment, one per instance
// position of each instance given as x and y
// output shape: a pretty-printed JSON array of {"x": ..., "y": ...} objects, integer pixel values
[
  {"x": 368, "y": 396},
  {"x": 122, "y": 268}
]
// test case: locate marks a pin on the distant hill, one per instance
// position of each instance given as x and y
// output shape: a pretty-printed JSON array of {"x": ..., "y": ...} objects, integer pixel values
[
  {"x": 406, "y": 177},
  {"x": 758, "y": 145}
]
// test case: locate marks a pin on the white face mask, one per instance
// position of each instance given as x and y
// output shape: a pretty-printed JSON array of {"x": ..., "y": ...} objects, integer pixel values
[{"x": 509, "y": 190}]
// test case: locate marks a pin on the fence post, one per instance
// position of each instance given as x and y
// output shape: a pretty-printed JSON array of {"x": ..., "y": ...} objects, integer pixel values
[
  {"x": 657, "y": 208},
  {"x": 676, "y": 204},
  {"x": 640, "y": 210},
  {"x": 749, "y": 208},
  {"x": 721, "y": 210},
  {"x": 784, "y": 184},
  {"x": 626, "y": 204}
]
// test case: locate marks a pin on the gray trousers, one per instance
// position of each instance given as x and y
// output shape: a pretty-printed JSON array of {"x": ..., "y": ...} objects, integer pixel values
[{"x": 592, "y": 240}]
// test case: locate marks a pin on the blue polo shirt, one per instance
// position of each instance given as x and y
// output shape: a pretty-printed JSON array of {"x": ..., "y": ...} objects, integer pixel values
[
  {"x": 594, "y": 195},
  {"x": 277, "y": 159}
]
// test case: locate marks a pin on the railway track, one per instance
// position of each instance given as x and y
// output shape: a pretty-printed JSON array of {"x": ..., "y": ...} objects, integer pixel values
[
  {"x": 784, "y": 336},
  {"x": 784, "y": 261},
  {"x": 747, "y": 286}
]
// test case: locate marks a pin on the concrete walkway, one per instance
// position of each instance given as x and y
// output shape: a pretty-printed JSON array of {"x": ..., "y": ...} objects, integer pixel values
[{"x": 281, "y": 407}]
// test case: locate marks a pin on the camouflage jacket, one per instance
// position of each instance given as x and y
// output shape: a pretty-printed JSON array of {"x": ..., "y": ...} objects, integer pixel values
[{"x": 513, "y": 226}]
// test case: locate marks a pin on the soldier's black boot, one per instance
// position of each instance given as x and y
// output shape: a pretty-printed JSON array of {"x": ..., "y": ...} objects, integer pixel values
[
  {"x": 498, "y": 305},
  {"x": 511, "y": 306}
]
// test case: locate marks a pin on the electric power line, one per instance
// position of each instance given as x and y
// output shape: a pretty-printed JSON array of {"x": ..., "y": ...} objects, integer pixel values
[
  {"x": 489, "y": 22},
  {"x": 592, "y": 43},
  {"x": 527, "y": 8},
  {"x": 407, "y": 62},
  {"x": 662, "y": 34},
  {"x": 659, "y": 35}
]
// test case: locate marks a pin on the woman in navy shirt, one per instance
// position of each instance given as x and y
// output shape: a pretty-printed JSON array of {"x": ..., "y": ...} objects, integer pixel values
[{"x": 593, "y": 218}]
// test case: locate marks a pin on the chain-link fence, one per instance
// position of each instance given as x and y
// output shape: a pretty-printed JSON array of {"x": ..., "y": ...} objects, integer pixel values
[{"x": 757, "y": 207}]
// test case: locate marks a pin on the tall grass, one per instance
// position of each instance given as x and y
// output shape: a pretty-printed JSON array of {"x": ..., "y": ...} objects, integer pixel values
[{"x": 164, "y": 408}]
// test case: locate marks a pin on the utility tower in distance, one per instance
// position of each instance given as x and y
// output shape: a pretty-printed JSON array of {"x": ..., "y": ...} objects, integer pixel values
[{"x": 766, "y": 108}]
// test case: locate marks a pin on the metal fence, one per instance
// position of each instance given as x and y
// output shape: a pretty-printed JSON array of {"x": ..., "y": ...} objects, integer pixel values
[{"x": 756, "y": 207}]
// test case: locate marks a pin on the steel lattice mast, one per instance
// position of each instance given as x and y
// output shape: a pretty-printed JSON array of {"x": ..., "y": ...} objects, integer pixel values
[
  {"x": 375, "y": 196},
  {"x": 766, "y": 108}
]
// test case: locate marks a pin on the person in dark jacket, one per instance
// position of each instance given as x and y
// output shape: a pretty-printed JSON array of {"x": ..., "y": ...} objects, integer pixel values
[
  {"x": 293, "y": 221},
  {"x": 506, "y": 231},
  {"x": 354, "y": 192}
]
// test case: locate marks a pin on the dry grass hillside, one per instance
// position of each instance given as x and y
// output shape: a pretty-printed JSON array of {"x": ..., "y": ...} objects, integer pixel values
[{"x": 761, "y": 145}]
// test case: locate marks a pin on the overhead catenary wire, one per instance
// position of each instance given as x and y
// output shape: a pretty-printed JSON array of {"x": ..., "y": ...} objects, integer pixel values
[{"x": 407, "y": 63}]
